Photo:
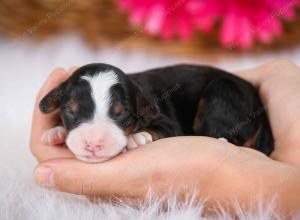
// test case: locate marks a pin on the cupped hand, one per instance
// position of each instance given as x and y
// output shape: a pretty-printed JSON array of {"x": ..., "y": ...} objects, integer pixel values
[
  {"x": 219, "y": 171},
  {"x": 214, "y": 170}
]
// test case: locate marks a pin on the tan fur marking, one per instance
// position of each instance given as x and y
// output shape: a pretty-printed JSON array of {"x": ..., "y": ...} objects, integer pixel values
[
  {"x": 73, "y": 106},
  {"x": 197, "y": 119},
  {"x": 129, "y": 130},
  {"x": 252, "y": 140}
]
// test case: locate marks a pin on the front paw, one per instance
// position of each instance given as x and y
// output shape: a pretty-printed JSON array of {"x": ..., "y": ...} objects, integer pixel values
[
  {"x": 223, "y": 139},
  {"x": 54, "y": 136},
  {"x": 138, "y": 139}
]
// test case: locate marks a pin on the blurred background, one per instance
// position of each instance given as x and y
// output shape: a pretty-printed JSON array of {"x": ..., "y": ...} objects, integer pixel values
[{"x": 39, "y": 35}]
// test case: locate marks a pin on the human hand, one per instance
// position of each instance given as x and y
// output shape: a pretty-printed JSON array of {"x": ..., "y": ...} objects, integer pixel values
[
  {"x": 42, "y": 122},
  {"x": 215, "y": 170},
  {"x": 173, "y": 165},
  {"x": 278, "y": 84}
]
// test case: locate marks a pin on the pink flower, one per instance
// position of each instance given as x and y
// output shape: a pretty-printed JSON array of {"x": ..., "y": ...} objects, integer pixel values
[{"x": 241, "y": 21}]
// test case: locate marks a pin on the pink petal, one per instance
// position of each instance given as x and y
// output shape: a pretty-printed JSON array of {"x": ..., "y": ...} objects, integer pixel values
[
  {"x": 184, "y": 28},
  {"x": 167, "y": 29},
  {"x": 228, "y": 30},
  {"x": 138, "y": 15},
  {"x": 205, "y": 23},
  {"x": 241, "y": 21},
  {"x": 125, "y": 4},
  {"x": 265, "y": 36},
  {"x": 276, "y": 27},
  {"x": 245, "y": 33},
  {"x": 155, "y": 19}
]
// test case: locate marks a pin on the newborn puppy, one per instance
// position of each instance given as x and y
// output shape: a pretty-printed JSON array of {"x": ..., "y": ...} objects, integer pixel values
[{"x": 104, "y": 111}]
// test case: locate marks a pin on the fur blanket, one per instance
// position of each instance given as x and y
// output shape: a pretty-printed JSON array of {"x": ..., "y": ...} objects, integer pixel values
[{"x": 24, "y": 68}]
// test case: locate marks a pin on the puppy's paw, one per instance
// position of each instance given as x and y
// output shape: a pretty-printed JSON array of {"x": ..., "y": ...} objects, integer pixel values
[
  {"x": 138, "y": 139},
  {"x": 223, "y": 139},
  {"x": 54, "y": 136}
]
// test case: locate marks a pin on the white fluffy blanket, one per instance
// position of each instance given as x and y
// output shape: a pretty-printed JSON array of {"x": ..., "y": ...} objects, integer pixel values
[{"x": 23, "y": 68}]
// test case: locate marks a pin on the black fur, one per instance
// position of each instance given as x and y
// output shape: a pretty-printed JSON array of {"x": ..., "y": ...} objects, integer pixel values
[{"x": 233, "y": 109}]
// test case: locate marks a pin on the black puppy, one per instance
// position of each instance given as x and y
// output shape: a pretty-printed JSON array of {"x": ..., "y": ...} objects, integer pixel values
[{"x": 103, "y": 110}]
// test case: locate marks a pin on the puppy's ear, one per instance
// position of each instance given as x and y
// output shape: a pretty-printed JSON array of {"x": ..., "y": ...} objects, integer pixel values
[
  {"x": 145, "y": 107},
  {"x": 53, "y": 99}
]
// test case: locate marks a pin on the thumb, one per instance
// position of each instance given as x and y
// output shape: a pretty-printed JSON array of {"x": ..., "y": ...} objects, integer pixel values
[
  {"x": 258, "y": 74},
  {"x": 74, "y": 176}
]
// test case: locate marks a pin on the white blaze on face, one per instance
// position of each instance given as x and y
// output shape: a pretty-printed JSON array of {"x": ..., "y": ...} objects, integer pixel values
[{"x": 100, "y": 138}]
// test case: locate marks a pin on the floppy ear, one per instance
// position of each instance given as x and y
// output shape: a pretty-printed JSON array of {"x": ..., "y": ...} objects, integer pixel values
[
  {"x": 144, "y": 106},
  {"x": 52, "y": 100}
]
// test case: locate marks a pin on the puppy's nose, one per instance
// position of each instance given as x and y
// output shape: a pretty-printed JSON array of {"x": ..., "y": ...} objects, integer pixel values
[{"x": 93, "y": 146}]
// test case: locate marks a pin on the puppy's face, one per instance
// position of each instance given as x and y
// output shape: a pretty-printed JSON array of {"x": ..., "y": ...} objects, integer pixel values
[{"x": 99, "y": 106}]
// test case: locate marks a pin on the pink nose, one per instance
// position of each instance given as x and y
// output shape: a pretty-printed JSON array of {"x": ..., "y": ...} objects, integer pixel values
[{"x": 93, "y": 146}]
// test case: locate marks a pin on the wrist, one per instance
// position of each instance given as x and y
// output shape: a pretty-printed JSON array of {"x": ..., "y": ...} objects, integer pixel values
[{"x": 249, "y": 179}]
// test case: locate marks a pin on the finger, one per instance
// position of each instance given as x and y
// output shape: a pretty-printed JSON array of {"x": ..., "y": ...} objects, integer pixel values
[
  {"x": 57, "y": 76},
  {"x": 46, "y": 121},
  {"x": 46, "y": 152},
  {"x": 257, "y": 75},
  {"x": 117, "y": 176},
  {"x": 74, "y": 176},
  {"x": 254, "y": 75},
  {"x": 132, "y": 170},
  {"x": 40, "y": 121},
  {"x": 72, "y": 69}
]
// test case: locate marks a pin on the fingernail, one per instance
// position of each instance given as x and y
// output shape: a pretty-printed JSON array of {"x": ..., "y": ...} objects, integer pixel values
[
  {"x": 64, "y": 71},
  {"x": 59, "y": 70},
  {"x": 44, "y": 176},
  {"x": 72, "y": 69}
]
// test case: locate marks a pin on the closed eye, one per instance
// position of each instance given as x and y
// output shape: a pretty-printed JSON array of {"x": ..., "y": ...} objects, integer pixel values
[
  {"x": 68, "y": 115},
  {"x": 69, "y": 112}
]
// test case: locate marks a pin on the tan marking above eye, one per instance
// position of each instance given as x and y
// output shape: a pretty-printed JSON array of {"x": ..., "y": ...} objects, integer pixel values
[
  {"x": 73, "y": 105},
  {"x": 117, "y": 107}
]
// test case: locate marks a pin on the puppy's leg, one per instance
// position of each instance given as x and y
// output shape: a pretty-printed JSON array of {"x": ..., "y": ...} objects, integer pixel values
[
  {"x": 54, "y": 136},
  {"x": 224, "y": 112}
]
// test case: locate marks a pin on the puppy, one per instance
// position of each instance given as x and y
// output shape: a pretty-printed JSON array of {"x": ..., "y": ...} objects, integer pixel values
[{"x": 104, "y": 111}]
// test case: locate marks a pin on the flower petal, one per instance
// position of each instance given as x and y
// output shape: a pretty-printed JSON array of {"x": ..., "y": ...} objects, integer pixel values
[{"x": 228, "y": 30}]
